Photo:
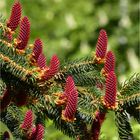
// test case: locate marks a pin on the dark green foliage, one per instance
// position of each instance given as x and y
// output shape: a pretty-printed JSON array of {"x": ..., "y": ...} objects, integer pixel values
[
  {"x": 124, "y": 127},
  {"x": 77, "y": 68},
  {"x": 83, "y": 66},
  {"x": 88, "y": 79},
  {"x": 88, "y": 104},
  {"x": 131, "y": 86},
  {"x": 82, "y": 126},
  {"x": 12, "y": 117},
  {"x": 2, "y": 86},
  {"x": 131, "y": 105},
  {"x": 15, "y": 65},
  {"x": 55, "y": 114}
]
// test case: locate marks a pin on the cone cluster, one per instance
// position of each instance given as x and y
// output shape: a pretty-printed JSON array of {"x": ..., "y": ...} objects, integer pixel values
[
  {"x": 37, "y": 57},
  {"x": 32, "y": 132}
]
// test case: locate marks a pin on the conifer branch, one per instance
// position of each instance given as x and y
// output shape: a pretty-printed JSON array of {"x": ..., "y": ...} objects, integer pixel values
[
  {"x": 131, "y": 86},
  {"x": 75, "y": 95}
]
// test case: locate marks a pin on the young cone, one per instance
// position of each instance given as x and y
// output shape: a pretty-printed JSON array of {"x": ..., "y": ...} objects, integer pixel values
[
  {"x": 110, "y": 62},
  {"x": 41, "y": 61},
  {"x": 28, "y": 121},
  {"x": 96, "y": 125},
  {"x": 70, "y": 110},
  {"x": 69, "y": 86},
  {"x": 24, "y": 33},
  {"x": 62, "y": 98},
  {"x": 53, "y": 69},
  {"x": 101, "y": 46},
  {"x": 37, "y": 50},
  {"x": 14, "y": 19},
  {"x": 32, "y": 134},
  {"x": 39, "y": 132},
  {"x": 110, "y": 92}
]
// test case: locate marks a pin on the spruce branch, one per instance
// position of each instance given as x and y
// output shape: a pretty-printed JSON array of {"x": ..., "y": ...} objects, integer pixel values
[
  {"x": 131, "y": 86},
  {"x": 75, "y": 95},
  {"x": 123, "y": 125},
  {"x": 131, "y": 105}
]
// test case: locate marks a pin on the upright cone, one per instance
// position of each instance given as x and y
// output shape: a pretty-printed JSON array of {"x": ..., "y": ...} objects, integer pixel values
[
  {"x": 111, "y": 90},
  {"x": 15, "y": 16}
]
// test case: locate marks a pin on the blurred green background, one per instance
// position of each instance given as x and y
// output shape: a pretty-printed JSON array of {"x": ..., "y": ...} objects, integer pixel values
[{"x": 70, "y": 28}]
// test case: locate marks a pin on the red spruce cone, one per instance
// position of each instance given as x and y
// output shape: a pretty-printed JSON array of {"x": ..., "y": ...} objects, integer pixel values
[
  {"x": 28, "y": 121},
  {"x": 111, "y": 89},
  {"x": 39, "y": 132},
  {"x": 110, "y": 62},
  {"x": 32, "y": 134},
  {"x": 96, "y": 125},
  {"x": 24, "y": 33},
  {"x": 70, "y": 110},
  {"x": 62, "y": 98},
  {"x": 68, "y": 87},
  {"x": 37, "y": 50},
  {"x": 41, "y": 61},
  {"x": 53, "y": 68},
  {"x": 101, "y": 45},
  {"x": 15, "y": 16}
]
